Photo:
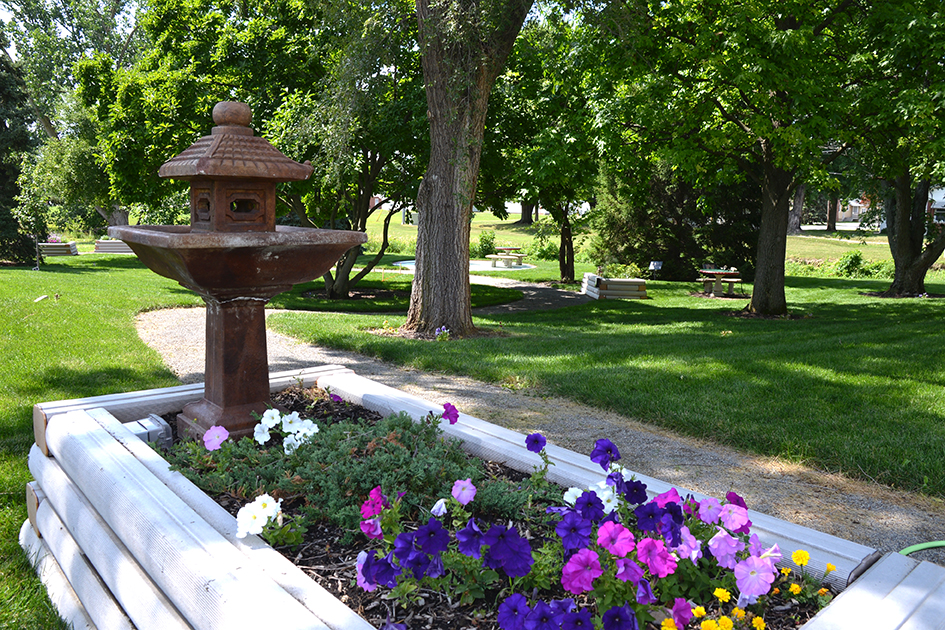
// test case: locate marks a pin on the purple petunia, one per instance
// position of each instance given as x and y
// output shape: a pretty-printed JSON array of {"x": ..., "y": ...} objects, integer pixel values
[
  {"x": 512, "y": 612},
  {"x": 380, "y": 570},
  {"x": 508, "y": 551},
  {"x": 590, "y": 506},
  {"x": 620, "y": 618},
  {"x": 753, "y": 576},
  {"x": 542, "y": 617},
  {"x": 336, "y": 398},
  {"x": 605, "y": 453},
  {"x": 470, "y": 539},
  {"x": 628, "y": 570},
  {"x": 450, "y": 413},
  {"x": 579, "y": 620},
  {"x": 432, "y": 538},
  {"x": 645, "y": 593},
  {"x": 649, "y": 517},
  {"x": 575, "y": 531},
  {"x": 682, "y": 612},
  {"x": 535, "y": 442}
]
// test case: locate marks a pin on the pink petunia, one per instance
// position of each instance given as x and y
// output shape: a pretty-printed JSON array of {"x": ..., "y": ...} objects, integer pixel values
[
  {"x": 214, "y": 437},
  {"x": 670, "y": 496},
  {"x": 734, "y": 517},
  {"x": 615, "y": 538},
  {"x": 464, "y": 491},
  {"x": 709, "y": 510},
  {"x": 372, "y": 528},
  {"x": 653, "y": 554},
  {"x": 724, "y": 547},
  {"x": 753, "y": 576},
  {"x": 450, "y": 413},
  {"x": 580, "y": 572}
]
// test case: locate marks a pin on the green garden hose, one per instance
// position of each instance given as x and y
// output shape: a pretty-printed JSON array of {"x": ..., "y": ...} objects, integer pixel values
[{"x": 922, "y": 546}]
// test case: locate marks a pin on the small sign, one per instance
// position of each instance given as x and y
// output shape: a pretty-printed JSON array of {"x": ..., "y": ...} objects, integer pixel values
[{"x": 656, "y": 265}]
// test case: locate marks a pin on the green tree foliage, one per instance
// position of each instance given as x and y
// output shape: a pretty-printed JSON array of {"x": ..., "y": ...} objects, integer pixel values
[
  {"x": 16, "y": 242},
  {"x": 653, "y": 213},
  {"x": 726, "y": 91},
  {"x": 899, "y": 112}
]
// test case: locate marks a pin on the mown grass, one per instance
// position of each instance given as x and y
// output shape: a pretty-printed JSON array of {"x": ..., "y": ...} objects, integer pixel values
[{"x": 853, "y": 385}]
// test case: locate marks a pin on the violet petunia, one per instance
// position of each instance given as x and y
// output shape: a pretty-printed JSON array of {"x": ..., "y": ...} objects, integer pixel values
[
  {"x": 214, "y": 437},
  {"x": 508, "y": 551},
  {"x": 753, "y": 576},
  {"x": 450, "y": 413},
  {"x": 535, "y": 442},
  {"x": 577, "y": 620},
  {"x": 574, "y": 530},
  {"x": 645, "y": 593},
  {"x": 620, "y": 618},
  {"x": 629, "y": 571},
  {"x": 724, "y": 547},
  {"x": 590, "y": 506},
  {"x": 682, "y": 612},
  {"x": 542, "y": 617},
  {"x": 470, "y": 539},
  {"x": 512, "y": 612},
  {"x": 605, "y": 453},
  {"x": 709, "y": 510},
  {"x": 432, "y": 538}
]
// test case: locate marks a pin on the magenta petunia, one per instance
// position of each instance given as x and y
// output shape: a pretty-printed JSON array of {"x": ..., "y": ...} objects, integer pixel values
[
  {"x": 464, "y": 491},
  {"x": 450, "y": 413},
  {"x": 753, "y": 576},
  {"x": 670, "y": 496},
  {"x": 372, "y": 528},
  {"x": 682, "y": 612},
  {"x": 580, "y": 572},
  {"x": 214, "y": 437},
  {"x": 616, "y": 539},
  {"x": 653, "y": 554}
]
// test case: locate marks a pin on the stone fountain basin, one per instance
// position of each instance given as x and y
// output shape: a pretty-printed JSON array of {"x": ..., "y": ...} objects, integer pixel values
[{"x": 254, "y": 264}]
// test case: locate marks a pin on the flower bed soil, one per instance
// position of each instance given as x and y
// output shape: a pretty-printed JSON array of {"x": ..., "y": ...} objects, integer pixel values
[{"x": 331, "y": 564}]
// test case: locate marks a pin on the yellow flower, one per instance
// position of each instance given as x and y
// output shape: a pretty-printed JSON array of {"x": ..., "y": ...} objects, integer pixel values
[
  {"x": 668, "y": 624},
  {"x": 795, "y": 589},
  {"x": 822, "y": 592},
  {"x": 725, "y": 623},
  {"x": 830, "y": 568},
  {"x": 758, "y": 623},
  {"x": 698, "y": 611},
  {"x": 785, "y": 571},
  {"x": 709, "y": 624},
  {"x": 800, "y": 557},
  {"x": 738, "y": 613},
  {"x": 723, "y": 595}
]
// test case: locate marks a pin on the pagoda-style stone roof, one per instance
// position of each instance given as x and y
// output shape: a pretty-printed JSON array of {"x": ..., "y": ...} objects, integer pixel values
[{"x": 232, "y": 151}]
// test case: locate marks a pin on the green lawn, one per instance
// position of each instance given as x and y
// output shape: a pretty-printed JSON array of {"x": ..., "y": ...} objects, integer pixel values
[{"x": 854, "y": 387}]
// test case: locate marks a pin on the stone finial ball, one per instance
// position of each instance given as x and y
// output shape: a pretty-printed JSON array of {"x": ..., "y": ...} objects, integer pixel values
[{"x": 232, "y": 113}]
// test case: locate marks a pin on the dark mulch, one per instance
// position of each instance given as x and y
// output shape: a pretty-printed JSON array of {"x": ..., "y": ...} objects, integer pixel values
[{"x": 332, "y": 564}]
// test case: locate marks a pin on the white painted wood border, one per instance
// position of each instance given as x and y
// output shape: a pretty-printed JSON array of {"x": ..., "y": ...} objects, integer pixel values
[
  {"x": 211, "y": 583},
  {"x": 489, "y": 441},
  {"x": 58, "y": 589},
  {"x": 141, "y": 599}
]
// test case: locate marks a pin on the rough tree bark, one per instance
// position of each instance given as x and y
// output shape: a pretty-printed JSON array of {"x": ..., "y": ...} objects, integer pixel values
[
  {"x": 833, "y": 209},
  {"x": 566, "y": 249},
  {"x": 906, "y": 220},
  {"x": 463, "y": 49},
  {"x": 797, "y": 210},
  {"x": 767, "y": 297}
]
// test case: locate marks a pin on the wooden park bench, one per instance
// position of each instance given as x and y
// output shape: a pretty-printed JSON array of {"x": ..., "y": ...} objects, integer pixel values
[
  {"x": 59, "y": 249},
  {"x": 506, "y": 259},
  {"x": 112, "y": 247}
]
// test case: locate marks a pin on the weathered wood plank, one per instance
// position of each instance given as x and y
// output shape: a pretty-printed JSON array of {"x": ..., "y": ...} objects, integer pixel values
[
  {"x": 34, "y": 496},
  {"x": 139, "y": 596}
]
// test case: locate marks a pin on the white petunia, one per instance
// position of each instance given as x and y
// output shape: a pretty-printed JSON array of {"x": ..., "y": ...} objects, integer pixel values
[
  {"x": 609, "y": 498},
  {"x": 267, "y": 506},
  {"x": 305, "y": 430},
  {"x": 290, "y": 444},
  {"x": 572, "y": 495},
  {"x": 261, "y": 433},
  {"x": 439, "y": 508},
  {"x": 249, "y": 520},
  {"x": 271, "y": 418},
  {"x": 291, "y": 422}
]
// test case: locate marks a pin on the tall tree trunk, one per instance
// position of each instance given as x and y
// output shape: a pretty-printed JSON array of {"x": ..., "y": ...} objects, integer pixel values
[
  {"x": 767, "y": 296},
  {"x": 797, "y": 209},
  {"x": 114, "y": 215},
  {"x": 833, "y": 209},
  {"x": 566, "y": 249},
  {"x": 906, "y": 220},
  {"x": 528, "y": 212},
  {"x": 458, "y": 77}
]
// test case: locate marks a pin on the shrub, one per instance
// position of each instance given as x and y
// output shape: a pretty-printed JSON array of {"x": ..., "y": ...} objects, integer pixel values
[
  {"x": 614, "y": 270},
  {"x": 486, "y": 246}
]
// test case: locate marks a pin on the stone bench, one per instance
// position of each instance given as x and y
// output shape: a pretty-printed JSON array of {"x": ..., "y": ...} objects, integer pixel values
[{"x": 507, "y": 259}]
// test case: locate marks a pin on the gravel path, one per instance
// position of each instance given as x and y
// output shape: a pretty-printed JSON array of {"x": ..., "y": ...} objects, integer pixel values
[{"x": 866, "y": 513}]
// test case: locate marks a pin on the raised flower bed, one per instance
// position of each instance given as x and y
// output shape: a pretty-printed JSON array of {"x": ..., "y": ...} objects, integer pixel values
[{"x": 140, "y": 544}]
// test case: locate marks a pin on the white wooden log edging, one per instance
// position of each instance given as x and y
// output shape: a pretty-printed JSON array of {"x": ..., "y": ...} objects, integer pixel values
[
  {"x": 58, "y": 589},
  {"x": 204, "y": 576},
  {"x": 139, "y": 596},
  {"x": 496, "y": 443}
]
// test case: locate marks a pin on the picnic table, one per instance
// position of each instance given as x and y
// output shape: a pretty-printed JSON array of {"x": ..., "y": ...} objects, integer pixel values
[{"x": 713, "y": 278}]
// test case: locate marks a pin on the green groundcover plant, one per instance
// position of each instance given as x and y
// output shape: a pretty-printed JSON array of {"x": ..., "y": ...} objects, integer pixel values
[{"x": 607, "y": 557}]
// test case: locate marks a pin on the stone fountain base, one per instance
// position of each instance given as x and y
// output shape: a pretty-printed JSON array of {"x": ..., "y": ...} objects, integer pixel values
[{"x": 119, "y": 539}]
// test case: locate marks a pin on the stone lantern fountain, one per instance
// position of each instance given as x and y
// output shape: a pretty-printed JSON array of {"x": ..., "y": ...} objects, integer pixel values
[{"x": 236, "y": 258}]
